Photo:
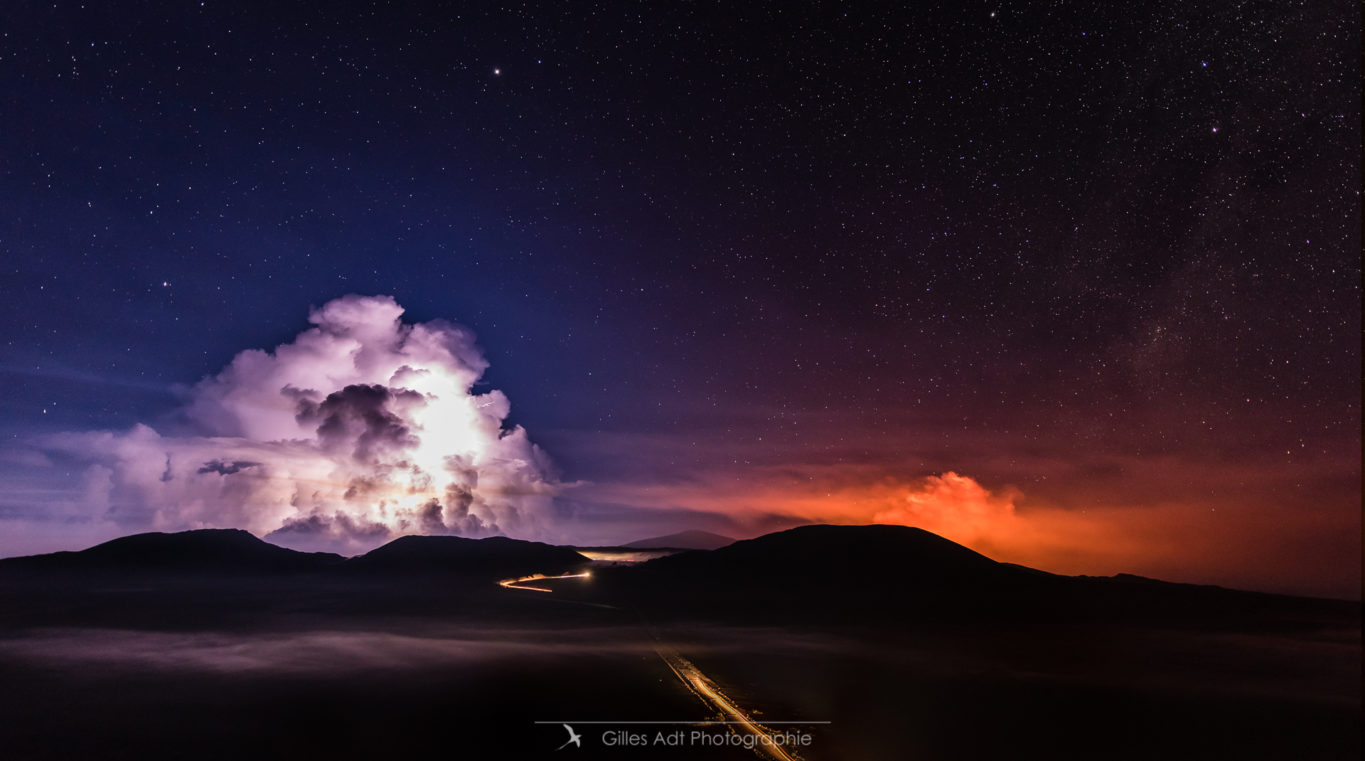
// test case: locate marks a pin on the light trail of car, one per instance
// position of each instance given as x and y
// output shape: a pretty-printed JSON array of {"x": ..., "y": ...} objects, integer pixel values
[
  {"x": 519, "y": 583},
  {"x": 707, "y": 690},
  {"x": 687, "y": 673}
]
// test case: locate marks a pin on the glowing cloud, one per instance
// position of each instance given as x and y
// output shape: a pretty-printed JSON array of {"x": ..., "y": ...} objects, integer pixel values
[
  {"x": 953, "y": 506},
  {"x": 361, "y": 428}
]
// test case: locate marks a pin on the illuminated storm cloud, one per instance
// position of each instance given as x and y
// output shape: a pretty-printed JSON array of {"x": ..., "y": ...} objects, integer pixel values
[{"x": 361, "y": 428}]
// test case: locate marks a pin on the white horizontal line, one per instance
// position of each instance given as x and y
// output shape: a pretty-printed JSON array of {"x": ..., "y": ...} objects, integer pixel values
[{"x": 688, "y": 723}]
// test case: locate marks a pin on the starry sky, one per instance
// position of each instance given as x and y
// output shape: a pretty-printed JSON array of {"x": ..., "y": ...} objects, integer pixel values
[{"x": 1077, "y": 285}]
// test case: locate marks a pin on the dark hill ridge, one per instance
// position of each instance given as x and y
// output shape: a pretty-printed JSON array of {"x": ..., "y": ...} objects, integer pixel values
[
  {"x": 883, "y": 574},
  {"x": 683, "y": 540},
  {"x": 875, "y": 575},
  {"x": 820, "y": 552},
  {"x": 237, "y": 552},
  {"x": 829, "y": 568},
  {"x": 494, "y": 557},
  {"x": 198, "y": 551}
]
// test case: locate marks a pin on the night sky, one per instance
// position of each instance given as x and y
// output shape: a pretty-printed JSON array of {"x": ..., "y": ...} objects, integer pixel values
[{"x": 1077, "y": 286}]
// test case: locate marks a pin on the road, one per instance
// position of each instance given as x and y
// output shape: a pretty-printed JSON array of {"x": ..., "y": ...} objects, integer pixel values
[
  {"x": 520, "y": 583},
  {"x": 707, "y": 690},
  {"x": 692, "y": 677}
]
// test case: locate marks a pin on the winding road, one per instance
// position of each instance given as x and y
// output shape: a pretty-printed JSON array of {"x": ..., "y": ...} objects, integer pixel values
[{"x": 520, "y": 583}]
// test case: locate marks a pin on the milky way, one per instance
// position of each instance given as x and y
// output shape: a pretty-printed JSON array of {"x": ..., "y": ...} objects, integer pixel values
[{"x": 739, "y": 265}]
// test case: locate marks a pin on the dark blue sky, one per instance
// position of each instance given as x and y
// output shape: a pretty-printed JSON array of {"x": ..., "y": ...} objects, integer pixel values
[{"x": 991, "y": 238}]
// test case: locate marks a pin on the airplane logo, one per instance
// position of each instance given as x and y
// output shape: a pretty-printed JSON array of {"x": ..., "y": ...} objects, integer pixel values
[{"x": 573, "y": 739}]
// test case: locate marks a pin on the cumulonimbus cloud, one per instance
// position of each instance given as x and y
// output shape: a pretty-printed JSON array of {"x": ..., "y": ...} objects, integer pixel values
[{"x": 361, "y": 428}]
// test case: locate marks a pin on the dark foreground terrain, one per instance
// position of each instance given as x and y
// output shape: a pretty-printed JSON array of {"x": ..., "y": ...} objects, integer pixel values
[{"x": 876, "y": 642}]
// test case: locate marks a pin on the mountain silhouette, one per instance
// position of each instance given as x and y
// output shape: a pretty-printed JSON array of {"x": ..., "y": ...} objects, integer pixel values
[
  {"x": 818, "y": 571},
  {"x": 883, "y": 574},
  {"x": 683, "y": 540},
  {"x": 197, "y": 551},
  {"x": 872, "y": 575},
  {"x": 820, "y": 554},
  {"x": 494, "y": 557},
  {"x": 251, "y": 659}
]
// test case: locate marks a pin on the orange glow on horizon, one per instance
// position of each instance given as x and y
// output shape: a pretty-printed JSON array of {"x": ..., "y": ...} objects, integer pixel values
[{"x": 1171, "y": 531}]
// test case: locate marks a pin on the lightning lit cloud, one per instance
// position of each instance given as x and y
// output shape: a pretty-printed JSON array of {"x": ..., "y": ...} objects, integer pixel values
[{"x": 362, "y": 428}]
